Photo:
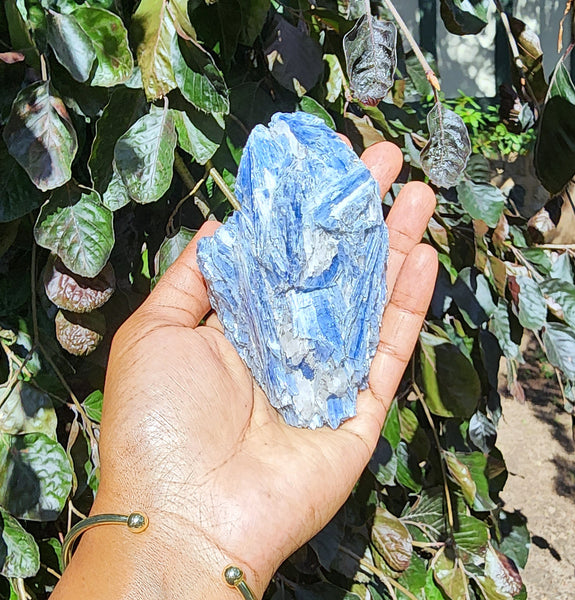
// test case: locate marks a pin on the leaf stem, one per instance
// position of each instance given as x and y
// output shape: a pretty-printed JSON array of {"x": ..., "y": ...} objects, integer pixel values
[
  {"x": 429, "y": 73},
  {"x": 190, "y": 183},
  {"x": 449, "y": 507}
]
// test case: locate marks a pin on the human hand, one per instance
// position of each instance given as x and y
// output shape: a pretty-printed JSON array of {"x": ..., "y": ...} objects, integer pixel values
[{"x": 189, "y": 437}]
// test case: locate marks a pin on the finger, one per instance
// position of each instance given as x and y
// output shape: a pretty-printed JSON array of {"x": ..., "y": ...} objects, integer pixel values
[
  {"x": 402, "y": 321},
  {"x": 406, "y": 222},
  {"x": 180, "y": 297},
  {"x": 345, "y": 139},
  {"x": 384, "y": 160}
]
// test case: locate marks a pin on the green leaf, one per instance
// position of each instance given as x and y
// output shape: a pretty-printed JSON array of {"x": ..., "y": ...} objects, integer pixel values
[
  {"x": 450, "y": 577},
  {"x": 144, "y": 155},
  {"x": 472, "y": 294},
  {"x": 555, "y": 148},
  {"x": 532, "y": 307},
  {"x": 452, "y": 386},
  {"x": 563, "y": 294},
  {"x": 516, "y": 539},
  {"x": 181, "y": 18},
  {"x": 93, "y": 405},
  {"x": 170, "y": 249},
  {"x": 432, "y": 592},
  {"x": 78, "y": 228},
  {"x": 414, "y": 578},
  {"x": 19, "y": 195},
  {"x": 482, "y": 201},
  {"x": 200, "y": 137},
  {"x": 254, "y": 14},
  {"x": 125, "y": 107},
  {"x": 313, "y": 107},
  {"x": 392, "y": 539},
  {"x": 500, "y": 326},
  {"x": 198, "y": 78},
  {"x": 37, "y": 476},
  {"x": 20, "y": 556},
  {"x": 40, "y": 136},
  {"x": 71, "y": 44},
  {"x": 109, "y": 39},
  {"x": 559, "y": 343},
  {"x": 116, "y": 195},
  {"x": 482, "y": 432},
  {"x": 408, "y": 471},
  {"x": 154, "y": 33},
  {"x": 461, "y": 474},
  {"x": 428, "y": 511},
  {"x": 476, "y": 464},
  {"x": 463, "y": 17},
  {"x": 26, "y": 409},
  {"x": 334, "y": 83},
  {"x": 471, "y": 537},
  {"x": 383, "y": 463},
  {"x": 391, "y": 429},
  {"x": 562, "y": 269}
]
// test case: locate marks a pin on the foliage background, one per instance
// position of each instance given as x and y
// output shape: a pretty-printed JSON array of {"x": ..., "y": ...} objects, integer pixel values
[{"x": 122, "y": 128}]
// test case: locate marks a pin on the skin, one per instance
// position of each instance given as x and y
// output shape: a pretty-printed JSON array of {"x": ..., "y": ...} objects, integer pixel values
[{"x": 188, "y": 437}]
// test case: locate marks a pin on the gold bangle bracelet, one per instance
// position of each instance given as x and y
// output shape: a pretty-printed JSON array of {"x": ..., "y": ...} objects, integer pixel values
[{"x": 136, "y": 523}]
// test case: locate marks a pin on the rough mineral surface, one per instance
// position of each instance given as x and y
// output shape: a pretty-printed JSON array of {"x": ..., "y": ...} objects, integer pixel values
[{"x": 297, "y": 277}]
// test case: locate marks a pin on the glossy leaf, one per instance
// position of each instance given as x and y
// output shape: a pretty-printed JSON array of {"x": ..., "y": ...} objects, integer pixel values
[
  {"x": 170, "y": 249},
  {"x": 179, "y": 11},
  {"x": 125, "y": 107},
  {"x": 450, "y": 577},
  {"x": 198, "y": 78},
  {"x": 79, "y": 334},
  {"x": 40, "y": 136},
  {"x": 503, "y": 573},
  {"x": 461, "y": 474},
  {"x": 36, "y": 478},
  {"x": 19, "y": 195},
  {"x": 516, "y": 539},
  {"x": 313, "y": 107},
  {"x": 472, "y": 294},
  {"x": 75, "y": 293},
  {"x": 71, "y": 45},
  {"x": 109, "y": 37},
  {"x": 471, "y": 537},
  {"x": 391, "y": 427},
  {"x": 76, "y": 226},
  {"x": 463, "y": 17},
  {"x": 563, "y": 294},
  {"x": 500, "y": 326},
  {"x": 408, "y": 471},
  {"x": 371, "y": 58},
  {"x": 555, "y": 148},
  {"x": 446, "y": 153},
  {"x": 154, "y": 33},
  {"x": 559, "y": 343},
  {"x": 26, "y": 409},
  {"x": 200, "y": 137},
  {"x": 334, "y": 83},
  {"x": 392, "y": 539},
  {"x": 93, "y": 405},
  {"x": 144, "y": 155},
  {"x": 532, "y": 307},
  {"x": 482, "y": 432},
  {"x": 476, "y": 464},
  {"x": 482, "y": 201},
  {"x": 452, "y": 386},
  {"x": 20, "y": 557},
  {"x": 116, "y": 195}
]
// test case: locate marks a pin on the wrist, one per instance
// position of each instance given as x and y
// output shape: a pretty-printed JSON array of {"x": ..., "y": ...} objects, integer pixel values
[{"x": 170, "y": 559}]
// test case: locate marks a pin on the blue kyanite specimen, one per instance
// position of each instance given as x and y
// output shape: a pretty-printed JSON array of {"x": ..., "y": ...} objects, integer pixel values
[{"x": 297, "y": 277}]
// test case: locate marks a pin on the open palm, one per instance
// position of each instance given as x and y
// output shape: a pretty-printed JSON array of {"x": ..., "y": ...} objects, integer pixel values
[{"x": 189, "y": 437}]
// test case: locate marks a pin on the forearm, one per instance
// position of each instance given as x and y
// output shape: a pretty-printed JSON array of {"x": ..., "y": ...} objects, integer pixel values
[{"x": 159, "y": 564}]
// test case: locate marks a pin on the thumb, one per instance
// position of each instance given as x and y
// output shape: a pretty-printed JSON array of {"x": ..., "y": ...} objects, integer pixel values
[{"x": 180, "y": 297}]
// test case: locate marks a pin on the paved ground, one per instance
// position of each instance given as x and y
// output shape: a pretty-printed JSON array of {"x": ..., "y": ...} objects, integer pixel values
[{"x": 535, "y": 439}]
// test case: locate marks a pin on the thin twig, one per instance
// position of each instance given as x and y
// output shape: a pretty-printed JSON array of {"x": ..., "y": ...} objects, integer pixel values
[
  {"x": 429, "y": 73},
  {"x": 170, "y": 224},
  {"x": 43, "y": 68},
  {"x": 556, "y": 246},
  {"x": 190, "y": 183},
  {"x": 449, "y": 507},
  {"x": 219, "y": 181},
  {"x": 33, "y": 293}
]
